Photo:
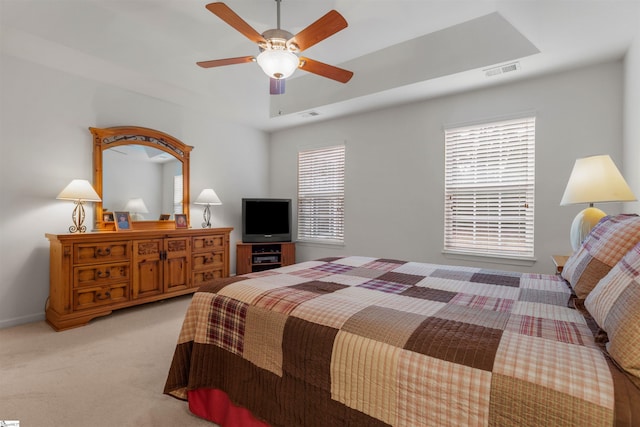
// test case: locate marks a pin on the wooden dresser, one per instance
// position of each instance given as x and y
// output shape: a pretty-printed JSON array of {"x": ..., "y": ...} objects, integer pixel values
[{"x": 92, "y": 274}]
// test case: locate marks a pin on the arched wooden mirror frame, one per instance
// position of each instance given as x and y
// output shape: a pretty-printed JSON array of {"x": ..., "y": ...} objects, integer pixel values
[{"x": 105, "y": 138}]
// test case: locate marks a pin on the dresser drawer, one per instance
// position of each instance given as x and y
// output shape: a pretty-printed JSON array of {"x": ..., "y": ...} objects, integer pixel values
[
  {"x": 85, "y": 298},
  {"x": 207, "y": 260},
  {"x": 90, "y": 253},
  {"x": 205, "y": 277},
  {"x": 101, "y": 274},
  {"x": 208, "y": 243}
]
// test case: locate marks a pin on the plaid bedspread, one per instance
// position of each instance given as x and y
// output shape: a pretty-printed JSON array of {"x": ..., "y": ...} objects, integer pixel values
[{"x": 375, "y": 342}]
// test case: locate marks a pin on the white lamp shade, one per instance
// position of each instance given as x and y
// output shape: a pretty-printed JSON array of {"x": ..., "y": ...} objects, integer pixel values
[
  {"x": 596, "y": 179},
  {"x": 278, "y": 64},
  {"x": 208, "y": 197},
  {"x": 79, "y": 189},
  {"x": 136, "y": 205}
]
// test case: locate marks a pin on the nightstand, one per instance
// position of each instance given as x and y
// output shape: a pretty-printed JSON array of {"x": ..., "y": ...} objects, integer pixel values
[{"x": 559, "y": 262}]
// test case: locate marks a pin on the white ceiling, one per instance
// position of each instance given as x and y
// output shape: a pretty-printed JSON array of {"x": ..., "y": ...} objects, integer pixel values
[{"x": 399, "y": 50}]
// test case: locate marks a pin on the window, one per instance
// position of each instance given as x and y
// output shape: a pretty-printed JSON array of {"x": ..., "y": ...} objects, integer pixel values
[
  {"x": 177, "y": 194},
  {"x": 321, "y": 195},
  {"x": 489, "y": 189}
]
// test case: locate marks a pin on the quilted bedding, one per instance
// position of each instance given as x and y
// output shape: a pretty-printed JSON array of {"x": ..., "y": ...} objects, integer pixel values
[{"x": 373, "y": 342}]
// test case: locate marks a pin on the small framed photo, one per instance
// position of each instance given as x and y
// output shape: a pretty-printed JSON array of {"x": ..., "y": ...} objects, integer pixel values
[
  {"x": 164, "y": 217},
  {"x": 123, "y": 221},
  {"x": 107, "y": 216},
  {"x": 181, "y": 221}
]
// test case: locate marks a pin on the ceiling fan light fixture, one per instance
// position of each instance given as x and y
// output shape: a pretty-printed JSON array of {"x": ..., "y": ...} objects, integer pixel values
[{"x": 278, "y": 64}]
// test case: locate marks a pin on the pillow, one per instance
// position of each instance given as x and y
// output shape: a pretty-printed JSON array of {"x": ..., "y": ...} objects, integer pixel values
[
  {"x": 605, "y": 245},
  {"x": 615, "y": 305}
]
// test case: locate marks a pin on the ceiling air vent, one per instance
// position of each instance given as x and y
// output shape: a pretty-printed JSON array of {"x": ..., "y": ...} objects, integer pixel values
[
  {"x": 310, "y": 114},
  {"x": 507, "y": 68}
]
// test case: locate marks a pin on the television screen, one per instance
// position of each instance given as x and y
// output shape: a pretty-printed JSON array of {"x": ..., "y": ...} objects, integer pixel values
[{"x": 266, "y": 220}]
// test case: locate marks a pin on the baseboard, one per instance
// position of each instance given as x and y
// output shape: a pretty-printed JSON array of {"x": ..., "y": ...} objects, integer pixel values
[{"x": 8, "y": 323}]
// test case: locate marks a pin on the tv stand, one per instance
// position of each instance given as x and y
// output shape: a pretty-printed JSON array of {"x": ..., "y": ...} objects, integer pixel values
[{"x": 253, "y": 257}]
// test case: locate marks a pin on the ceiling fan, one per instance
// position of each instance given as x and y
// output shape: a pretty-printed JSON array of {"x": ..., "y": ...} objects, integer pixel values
[{"x": 279, "y": 49}]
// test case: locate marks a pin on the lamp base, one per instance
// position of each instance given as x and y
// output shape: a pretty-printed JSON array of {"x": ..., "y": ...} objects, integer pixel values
[
  {"x": 78, "y": 218},
  {"x": 582, "y": 225},
  {"x": 206, "y": 215}
]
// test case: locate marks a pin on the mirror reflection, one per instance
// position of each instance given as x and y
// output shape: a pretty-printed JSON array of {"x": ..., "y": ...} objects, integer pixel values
[{"x": 145, "y": 181}]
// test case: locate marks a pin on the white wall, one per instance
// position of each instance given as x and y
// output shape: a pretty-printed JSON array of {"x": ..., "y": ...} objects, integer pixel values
[
  {"x": 45, "y": 115},
  {"x": 631, "y": 169},
  {"x": 395, "y": 157}
]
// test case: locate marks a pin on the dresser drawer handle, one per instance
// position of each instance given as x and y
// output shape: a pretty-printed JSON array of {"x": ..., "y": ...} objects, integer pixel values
[
  {"x": 208, "y": 276},
  {"x": 99, "y": 296},
  {"x": 104, "y": 251},
  {"x": 209, "y": 242},
  {"x": 102, "y": 274},
  {"x": 208, "y": 260}
]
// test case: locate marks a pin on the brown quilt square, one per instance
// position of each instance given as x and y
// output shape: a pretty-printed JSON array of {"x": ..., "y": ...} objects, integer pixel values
[
  {"x": 307, "y": 349},
  {"x": 423, "y": 292},
  {"x": 318, "y": 287},
  {"x": 458, "y": 342},
  {"x": 403, "y": 278},
  {"x": 497, "y": 278}
]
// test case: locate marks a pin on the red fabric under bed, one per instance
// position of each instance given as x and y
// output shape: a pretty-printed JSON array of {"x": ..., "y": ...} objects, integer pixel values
[{"x": 214, "y": 405}]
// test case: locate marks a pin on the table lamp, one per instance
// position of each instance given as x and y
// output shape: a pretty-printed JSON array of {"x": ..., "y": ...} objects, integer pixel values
[
  {"x": 594, "y": 179},
  {"x": 136, "y": 208},
  {"x": 207, "y": 197},
  {"x": 80, "y": 191}
]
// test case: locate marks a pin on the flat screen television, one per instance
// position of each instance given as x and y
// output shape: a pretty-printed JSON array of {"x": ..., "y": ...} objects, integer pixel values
[{"x": 266, "y": 220}]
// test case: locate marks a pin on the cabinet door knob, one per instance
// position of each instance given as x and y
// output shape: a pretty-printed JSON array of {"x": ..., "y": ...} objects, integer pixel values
[
  {"x": 104, "y": 251},
  {"x": 100, "y": 297}
]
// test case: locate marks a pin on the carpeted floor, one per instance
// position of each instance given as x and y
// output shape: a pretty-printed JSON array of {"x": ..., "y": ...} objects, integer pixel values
[{"x": 108, "y": 373}]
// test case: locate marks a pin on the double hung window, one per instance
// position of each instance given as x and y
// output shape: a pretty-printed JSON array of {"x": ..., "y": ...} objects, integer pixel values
[
  {"x": 489, "y": 189},
  {"x": 321, "y": 194}
]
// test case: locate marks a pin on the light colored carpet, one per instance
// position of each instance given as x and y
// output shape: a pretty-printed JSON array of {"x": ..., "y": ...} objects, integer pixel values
[{"x": 108, "y": 373}]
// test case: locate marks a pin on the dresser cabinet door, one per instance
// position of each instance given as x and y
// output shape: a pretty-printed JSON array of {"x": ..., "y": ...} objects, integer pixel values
[
  {"x": 147, "y": 268},
  {"x": 176, "y": 265}
]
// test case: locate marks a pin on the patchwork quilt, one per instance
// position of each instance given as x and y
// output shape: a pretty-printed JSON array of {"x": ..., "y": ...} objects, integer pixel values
[{"x": 378, "y": 342}]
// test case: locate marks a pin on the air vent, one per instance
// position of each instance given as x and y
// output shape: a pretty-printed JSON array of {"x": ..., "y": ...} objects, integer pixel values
[
  {"x": 507, "y": 68},
  {"x": 310, "y": 114}
]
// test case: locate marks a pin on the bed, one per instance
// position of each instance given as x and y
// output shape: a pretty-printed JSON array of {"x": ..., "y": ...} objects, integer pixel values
[{"x": 363, "y": 341}]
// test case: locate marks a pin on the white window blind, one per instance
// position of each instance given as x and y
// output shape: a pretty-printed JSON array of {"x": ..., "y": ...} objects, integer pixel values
[
  {"x": 321, "y": 194},
  {"x": 177, "y": 194},
  {"x": 489, "y": 189}
]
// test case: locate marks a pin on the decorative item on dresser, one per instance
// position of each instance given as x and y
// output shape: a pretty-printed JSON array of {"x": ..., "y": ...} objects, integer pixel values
[
  {"x": 80, "y": 191},
  {"x": 208, "y": 198},
  {"x": 92, "y": 274}
]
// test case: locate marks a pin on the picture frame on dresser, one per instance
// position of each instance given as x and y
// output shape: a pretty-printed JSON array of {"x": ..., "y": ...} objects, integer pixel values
[
  {"x": 107, "y": 217},
  {"x": 181, "y": 221},
  {"x": 122, "y": 221}
]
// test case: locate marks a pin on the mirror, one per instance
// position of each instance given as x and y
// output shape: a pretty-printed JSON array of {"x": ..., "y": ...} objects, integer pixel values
[{"x": 140, "y": 170}]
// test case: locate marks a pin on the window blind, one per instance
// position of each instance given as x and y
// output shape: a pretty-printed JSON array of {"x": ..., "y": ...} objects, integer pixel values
[
  {"x": 489, "y": 188},
  {"x": 177, "y": 194},
  {"x": 321, "y": 194}
]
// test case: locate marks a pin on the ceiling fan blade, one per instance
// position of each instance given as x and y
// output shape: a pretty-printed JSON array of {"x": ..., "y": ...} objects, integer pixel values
[
  {"x": 325, "y": 70},
  {"x": 227, "y": 61},
  {"x": 276, "y": 86},
  {"x": 225, "y": 13},
  {"x": 324, "y": 27}
]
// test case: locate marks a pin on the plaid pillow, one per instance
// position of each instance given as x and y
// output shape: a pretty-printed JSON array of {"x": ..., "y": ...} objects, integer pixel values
[
  {"x": 605, "y": 245},
  {"x": 614, "y": 303}
]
